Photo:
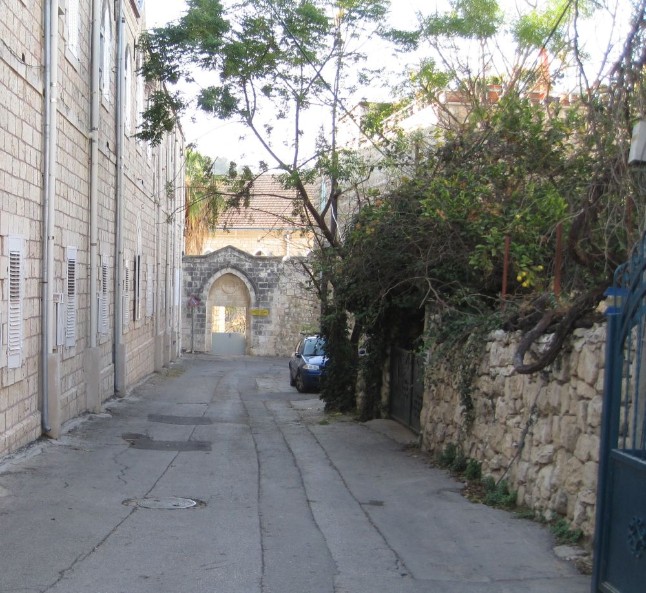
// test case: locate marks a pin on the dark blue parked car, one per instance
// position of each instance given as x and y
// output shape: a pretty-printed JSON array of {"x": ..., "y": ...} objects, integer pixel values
[{"x": 307, "y": 364}]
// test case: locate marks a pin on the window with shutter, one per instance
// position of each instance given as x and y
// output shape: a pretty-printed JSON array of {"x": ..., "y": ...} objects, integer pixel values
[
  {"x": 103, "y": 297},
  {"x": 140, "y": 92},
  {"x": 177, "y": 287},
  {"x": 106, "y": 50},
  {"x": 127, "y": 84},
  {"x": 126, "y": 295},
  {"x": 73, "y": 30},
  {"x": 15, "y": 320},
  {"x": 137, "y": 287},
  {"x": 70, "y": 293},
  {"x": 150, "y": 288}
]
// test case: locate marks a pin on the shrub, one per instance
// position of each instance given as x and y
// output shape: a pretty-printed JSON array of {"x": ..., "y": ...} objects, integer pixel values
[
  {"x": 447, "y": 457},
  {"x": 460, "y": 463},
  {"x": 498, "y": 494},
  {"x": 564, "y": 534},
  {"x": 473, "y": 470}
]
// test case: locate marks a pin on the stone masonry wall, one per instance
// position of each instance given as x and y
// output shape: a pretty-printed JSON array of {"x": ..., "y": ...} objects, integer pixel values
[
  {"x": 21, "y": 165},
  {"x": 261, "y": 242},
  {"x": 539, "y": 431},
  {"x": 80, "y": 365},
  {"x": 278, "y": 285}
]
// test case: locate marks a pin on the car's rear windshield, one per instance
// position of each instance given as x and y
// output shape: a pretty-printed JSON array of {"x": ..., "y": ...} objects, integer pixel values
[{"x": 314, "y": 347}]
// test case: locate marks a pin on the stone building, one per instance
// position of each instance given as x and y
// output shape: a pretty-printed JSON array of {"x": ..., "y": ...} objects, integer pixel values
[
  {"x": 250, "y": 293},
  {"x": 267, "y": 226},
  {"x": 247, "y": 304},
  {"x": 90, "y": 244}
]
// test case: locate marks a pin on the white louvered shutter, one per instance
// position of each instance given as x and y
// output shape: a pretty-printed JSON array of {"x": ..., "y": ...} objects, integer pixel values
[
  {"x": 150, "y": 288},
  {"x": 137, "y": 292},
  {"x": 103, "y": 298},
  {"x": 70, "y": 293},
  {"x": 16, "y": 287},
  {"x": 73, "y": 26},
  {"x": 125, "y": 313}
]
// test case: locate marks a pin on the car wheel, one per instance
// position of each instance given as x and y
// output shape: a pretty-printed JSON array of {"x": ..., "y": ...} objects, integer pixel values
[
  {"x": 292, "y": 381},
  {"x": 300, "y": 386}
]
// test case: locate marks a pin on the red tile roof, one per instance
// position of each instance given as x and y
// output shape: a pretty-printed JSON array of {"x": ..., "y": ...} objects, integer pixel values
[{"x": 270, "y": 207}]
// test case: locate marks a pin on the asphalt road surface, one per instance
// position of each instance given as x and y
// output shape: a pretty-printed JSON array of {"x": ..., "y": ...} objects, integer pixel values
[{"x": 218, "y": 477}]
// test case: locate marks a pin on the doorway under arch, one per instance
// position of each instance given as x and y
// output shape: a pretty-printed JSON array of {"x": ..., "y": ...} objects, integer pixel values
[{"x": 228, "y": 316}]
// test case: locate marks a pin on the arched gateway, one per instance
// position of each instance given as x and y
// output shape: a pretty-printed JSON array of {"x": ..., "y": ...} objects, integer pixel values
[{"x": 237, "y": 303}]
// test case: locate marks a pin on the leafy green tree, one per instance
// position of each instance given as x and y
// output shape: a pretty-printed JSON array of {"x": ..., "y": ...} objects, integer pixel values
[
  {"x": 510, "y": 167},
  {"x": 505, "y": 165},
  {"x": 274, "y": 65},
  {"x": 205, "y": 200},
  {"x": 270, "y": 64}
]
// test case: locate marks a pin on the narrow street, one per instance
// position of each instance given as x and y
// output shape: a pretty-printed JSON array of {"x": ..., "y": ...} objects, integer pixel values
[{"x": 286, "y": 501}]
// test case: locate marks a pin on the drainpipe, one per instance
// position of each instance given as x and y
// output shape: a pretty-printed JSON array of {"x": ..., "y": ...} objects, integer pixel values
[
  {"x": 179, "y": 180},
  {"x": 170, "y": 299},
  {"x": 51, "y": 124},
  {"x": 119, "y": 359},
  {"x": 94, "y": 169},
  {"x": 170, "y": 204},
  {"x": 159, "y": 359}
]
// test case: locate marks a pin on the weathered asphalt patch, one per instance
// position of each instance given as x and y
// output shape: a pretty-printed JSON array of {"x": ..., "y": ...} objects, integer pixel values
[
  {"x": 180, "y": 420},
  {"x": 144, "y": 442}
]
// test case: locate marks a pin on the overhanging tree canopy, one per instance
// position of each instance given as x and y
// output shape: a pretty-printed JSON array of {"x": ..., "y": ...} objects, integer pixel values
[{"x": 513, "y": 163}]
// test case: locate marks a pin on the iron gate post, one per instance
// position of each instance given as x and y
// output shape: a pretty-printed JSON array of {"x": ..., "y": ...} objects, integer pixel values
[{"x": 608, "y": 423}]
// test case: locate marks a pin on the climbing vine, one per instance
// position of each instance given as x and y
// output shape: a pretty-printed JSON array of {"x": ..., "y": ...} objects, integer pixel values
[{"x": 457, "y": 342}]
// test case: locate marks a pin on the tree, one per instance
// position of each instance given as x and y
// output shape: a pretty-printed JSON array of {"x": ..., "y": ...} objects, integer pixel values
[
  {"x": 507, "y": 164},
  {"x": 274, "y": 65},
  {"x": 509, "y": 167},
  {"x": 205, "y": 201},
  {"x": 270, "y": 64}
]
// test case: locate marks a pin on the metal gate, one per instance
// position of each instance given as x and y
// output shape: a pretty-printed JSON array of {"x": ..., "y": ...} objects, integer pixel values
[
  {"x": 228, "y": 344},
  {"x": 406, "y": 387},
  {"x": 620, "y": 539}
]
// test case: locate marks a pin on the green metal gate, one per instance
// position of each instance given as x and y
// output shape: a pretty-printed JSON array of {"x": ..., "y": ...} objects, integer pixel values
[
  {"x": 620, "y": 539},
  {"x": 406, "y": 387}
]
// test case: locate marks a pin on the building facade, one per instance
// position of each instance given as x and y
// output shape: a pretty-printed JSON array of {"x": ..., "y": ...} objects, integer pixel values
[
  {"x": 267, "y": 226},
  {"x": 249, "y": 292},
  {"x": 91, "y": 218}
]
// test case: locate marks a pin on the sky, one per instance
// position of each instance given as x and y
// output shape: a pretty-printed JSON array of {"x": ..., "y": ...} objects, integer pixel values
[{"x": 231, "y": 141}]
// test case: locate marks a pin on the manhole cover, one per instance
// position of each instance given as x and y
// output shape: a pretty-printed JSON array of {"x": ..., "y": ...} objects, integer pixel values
[{"x": 168, "y": 502}]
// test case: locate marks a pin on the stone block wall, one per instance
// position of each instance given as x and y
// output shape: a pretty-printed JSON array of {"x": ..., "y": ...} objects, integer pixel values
[
  {"x": 276, "y": 285},
  {"x": 82, "y": 371},
  {"x": 296, "y": 309},
  {"x": 267, "y": 242},
  {"x": 540, "y": 431},
  {"x": 21, "y": 184}
]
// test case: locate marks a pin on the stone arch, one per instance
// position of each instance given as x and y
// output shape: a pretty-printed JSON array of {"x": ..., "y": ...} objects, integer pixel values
[
  {"x": 279, "y": 305},
  {"x": 228, "y": 290}
]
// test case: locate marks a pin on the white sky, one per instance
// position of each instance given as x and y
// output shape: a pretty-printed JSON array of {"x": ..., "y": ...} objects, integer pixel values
[
  {"x": 216, "y": 138},
  {"x": 225, "y": 139}
]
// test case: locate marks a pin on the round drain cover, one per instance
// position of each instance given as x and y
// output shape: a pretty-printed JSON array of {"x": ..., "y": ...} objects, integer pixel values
[{"x": 169, "y": 502}]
